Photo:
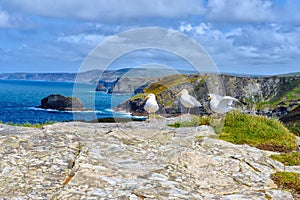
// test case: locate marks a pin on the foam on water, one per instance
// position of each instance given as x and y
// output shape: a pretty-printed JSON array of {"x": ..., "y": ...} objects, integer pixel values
[{"x": 19, "y": 101}]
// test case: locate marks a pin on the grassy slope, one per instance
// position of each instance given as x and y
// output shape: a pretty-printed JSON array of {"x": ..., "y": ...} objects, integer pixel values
[{"x": 258, "y": 131}]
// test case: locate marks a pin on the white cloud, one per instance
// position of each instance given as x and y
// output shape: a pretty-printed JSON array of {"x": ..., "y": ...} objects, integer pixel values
[
  {"x": 4, "y": 19},
  {"x": 240, "y": 11},
  {"x": 12, "y": 20},
  {"x": 104, "y": 10},
  {"x": 82, "y": 39},
  {"x": 185, "y": 27},
  {"x": 9, "y": 20},
  {"x": 249, "y": 46}
]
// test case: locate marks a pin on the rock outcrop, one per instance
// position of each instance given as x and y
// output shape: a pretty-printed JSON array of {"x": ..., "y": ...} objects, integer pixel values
[
  {"x": 252, "y": 90},
  {"x": 59, "y": 102},
  {"x": 134, "y": 160}
]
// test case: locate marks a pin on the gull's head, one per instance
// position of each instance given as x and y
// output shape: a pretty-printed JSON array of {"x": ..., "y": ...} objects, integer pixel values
[
  {"x": 184, "y": 91},
  {"x": 210, "y": 97},
  {"x": 150, "y": 96}
]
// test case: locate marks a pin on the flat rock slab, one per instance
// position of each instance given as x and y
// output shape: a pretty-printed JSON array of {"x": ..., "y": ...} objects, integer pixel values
[{"x": 134, "y": 160}]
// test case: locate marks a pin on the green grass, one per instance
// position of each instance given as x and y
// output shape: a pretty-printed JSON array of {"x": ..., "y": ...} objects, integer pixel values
[
  {"x": 259, "y": 131},
  {"x": 27, "y": 124},
  {"x": 287, "y": 180},
  {"x": 164, "y": 83},
  {"x": 195, "y": 121},
  {"x": 139, "y": 96},
  {"x": 168, "y": 81},
  {"x": 290, "y": 159}
]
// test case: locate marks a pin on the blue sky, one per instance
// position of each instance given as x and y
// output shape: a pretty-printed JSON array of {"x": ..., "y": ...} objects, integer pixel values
[{"x": 249, "y": 36}]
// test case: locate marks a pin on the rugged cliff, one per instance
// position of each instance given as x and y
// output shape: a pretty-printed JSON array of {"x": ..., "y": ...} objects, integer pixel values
[{"x": 273, "y": 95}]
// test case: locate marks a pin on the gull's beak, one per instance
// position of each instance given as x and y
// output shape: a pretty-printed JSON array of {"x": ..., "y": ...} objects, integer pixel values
[
  {"x": 147, "y": 97},
  {"x": 179, "y": 93}
]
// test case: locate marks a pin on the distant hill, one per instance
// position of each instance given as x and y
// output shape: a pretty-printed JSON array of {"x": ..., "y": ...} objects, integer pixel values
[
  {"x": 62, "y": 77},
  {"x": 291, "y": 74},
  {"x": 91, "y": 76},
  {"x": 85, "y": 77}
]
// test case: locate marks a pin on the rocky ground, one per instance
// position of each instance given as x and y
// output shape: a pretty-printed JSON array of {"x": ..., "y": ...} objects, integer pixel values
[{"x": 135, "y": 160}]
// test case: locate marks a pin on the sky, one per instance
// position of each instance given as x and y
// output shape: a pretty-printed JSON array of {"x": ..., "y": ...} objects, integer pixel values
[{"x": 249, "y": 36}]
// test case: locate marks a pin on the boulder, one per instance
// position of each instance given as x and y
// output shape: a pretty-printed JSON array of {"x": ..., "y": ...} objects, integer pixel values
[{"x": 60, "y": 102}]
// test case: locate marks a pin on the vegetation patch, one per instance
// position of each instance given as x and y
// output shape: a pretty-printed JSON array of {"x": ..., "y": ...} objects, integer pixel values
[
  {"x": 139, "y": 96},
  {"x": 287, "y": 180},
  {"x": 195, "y": 121},
  {"x": 259, "y": 131},
  {"x": 289, "y": 159},
  {"x": 30, "y": 125},
  {"x": 168, "y": 81}
]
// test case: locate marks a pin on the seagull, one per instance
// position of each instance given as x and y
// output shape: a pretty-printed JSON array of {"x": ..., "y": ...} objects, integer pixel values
[
  {"x": 151, "y": 105},
  {"x": 221, "y": 104},
  {"x": 188, "y": 101}
]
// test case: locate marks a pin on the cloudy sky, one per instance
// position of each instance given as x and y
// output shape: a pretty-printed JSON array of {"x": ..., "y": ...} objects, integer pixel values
[{"x": 249, "y": 36}]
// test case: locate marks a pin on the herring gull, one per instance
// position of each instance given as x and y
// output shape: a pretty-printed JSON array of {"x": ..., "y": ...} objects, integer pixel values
[
  {"x": 221, "y": 104},
  {"x": 188, "y": 101},
  {"x": 151, "y": 105}
]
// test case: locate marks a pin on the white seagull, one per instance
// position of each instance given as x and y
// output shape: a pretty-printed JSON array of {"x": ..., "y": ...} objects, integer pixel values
[
  {"x": 151, "y": 105},
  {"x": 188, "y": 101},
  {"x": 221, "y": 104}
]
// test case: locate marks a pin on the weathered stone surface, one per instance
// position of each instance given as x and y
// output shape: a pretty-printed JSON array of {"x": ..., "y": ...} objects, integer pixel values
[
  {"x": 135, "y": 160},
  {"x": 59, "y": 102}
]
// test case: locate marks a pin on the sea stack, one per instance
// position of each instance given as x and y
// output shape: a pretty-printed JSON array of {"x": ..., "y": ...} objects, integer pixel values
[{"x": 60, "y": 102}]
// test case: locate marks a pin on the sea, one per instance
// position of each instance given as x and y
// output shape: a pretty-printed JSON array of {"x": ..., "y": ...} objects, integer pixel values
[{"x": 19, "y": 102}]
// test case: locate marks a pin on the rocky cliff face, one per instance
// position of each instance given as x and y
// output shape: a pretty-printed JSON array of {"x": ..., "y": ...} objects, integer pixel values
[{"x": 255, "y": 92}]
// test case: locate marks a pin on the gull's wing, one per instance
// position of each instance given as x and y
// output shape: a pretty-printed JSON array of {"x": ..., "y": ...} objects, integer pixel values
[
  {"x": 195, "y": 101},
  {"x": 228, "y": 100}
]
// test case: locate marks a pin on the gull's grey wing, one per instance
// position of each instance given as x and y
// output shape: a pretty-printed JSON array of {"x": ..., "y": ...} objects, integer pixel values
[
  {"x": 229, "y": 100},
  {"x": 195, "y": 101}
]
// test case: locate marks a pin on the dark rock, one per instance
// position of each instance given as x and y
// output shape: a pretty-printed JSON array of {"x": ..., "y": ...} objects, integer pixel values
[
  {"x": 106, "y": 85},
  {"x": 292, "y": 116},
  {"x": 59, "y": 102},
  {"x": 101, "y": 88}
]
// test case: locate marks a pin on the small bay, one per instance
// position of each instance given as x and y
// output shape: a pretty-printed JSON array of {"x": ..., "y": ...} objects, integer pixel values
[{"x": 19, "y": 101}]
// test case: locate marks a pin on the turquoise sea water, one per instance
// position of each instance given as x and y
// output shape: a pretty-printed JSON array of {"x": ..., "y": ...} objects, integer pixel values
[{"x": 19, "y": 99}]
